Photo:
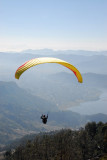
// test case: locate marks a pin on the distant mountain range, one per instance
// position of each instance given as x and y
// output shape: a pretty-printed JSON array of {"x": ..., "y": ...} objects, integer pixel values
[
  {"x": 73, "y": 52},
  {"x": 20, "y": 114}
]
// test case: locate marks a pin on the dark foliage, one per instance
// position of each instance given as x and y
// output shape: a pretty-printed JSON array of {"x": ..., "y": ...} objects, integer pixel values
[{"x": 87, "y": 143}]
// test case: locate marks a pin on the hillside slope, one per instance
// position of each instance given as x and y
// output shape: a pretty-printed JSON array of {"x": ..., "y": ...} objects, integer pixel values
[{"x": 20, "y": 114}]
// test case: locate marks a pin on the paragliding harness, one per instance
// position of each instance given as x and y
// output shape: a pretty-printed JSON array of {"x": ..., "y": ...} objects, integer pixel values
[{"x": 44, "y": 118}]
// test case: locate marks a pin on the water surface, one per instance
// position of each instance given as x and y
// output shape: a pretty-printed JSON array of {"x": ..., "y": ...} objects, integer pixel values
[{"x": 93, "y": 107}]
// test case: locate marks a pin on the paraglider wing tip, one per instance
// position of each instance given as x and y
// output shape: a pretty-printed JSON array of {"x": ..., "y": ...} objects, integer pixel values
[
  {"x": 16, "y": 76},
  {"x": 81, "y": 80}
]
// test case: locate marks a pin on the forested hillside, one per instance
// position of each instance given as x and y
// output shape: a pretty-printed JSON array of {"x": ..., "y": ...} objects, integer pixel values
[{"x": 87, "y": 143}]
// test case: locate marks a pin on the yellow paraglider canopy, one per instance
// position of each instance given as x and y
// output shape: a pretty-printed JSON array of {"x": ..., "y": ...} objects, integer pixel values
[{"x": 36, "y": 61}]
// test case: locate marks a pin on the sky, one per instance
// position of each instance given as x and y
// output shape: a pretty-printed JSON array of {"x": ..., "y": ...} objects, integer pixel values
[{"x": 53, "y": 24}]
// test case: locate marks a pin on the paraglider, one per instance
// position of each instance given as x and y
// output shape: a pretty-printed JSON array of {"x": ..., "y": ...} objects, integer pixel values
[
  {"x": 36, "y": 61},
  {"x": 44, "y": 118}
]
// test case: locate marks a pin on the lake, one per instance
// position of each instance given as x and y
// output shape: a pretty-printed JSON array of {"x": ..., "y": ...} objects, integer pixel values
[{"x": 92, "y": 107}]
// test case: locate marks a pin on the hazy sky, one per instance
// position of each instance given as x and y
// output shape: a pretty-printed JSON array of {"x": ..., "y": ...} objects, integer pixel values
[{"x": 54, "y": 24}]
